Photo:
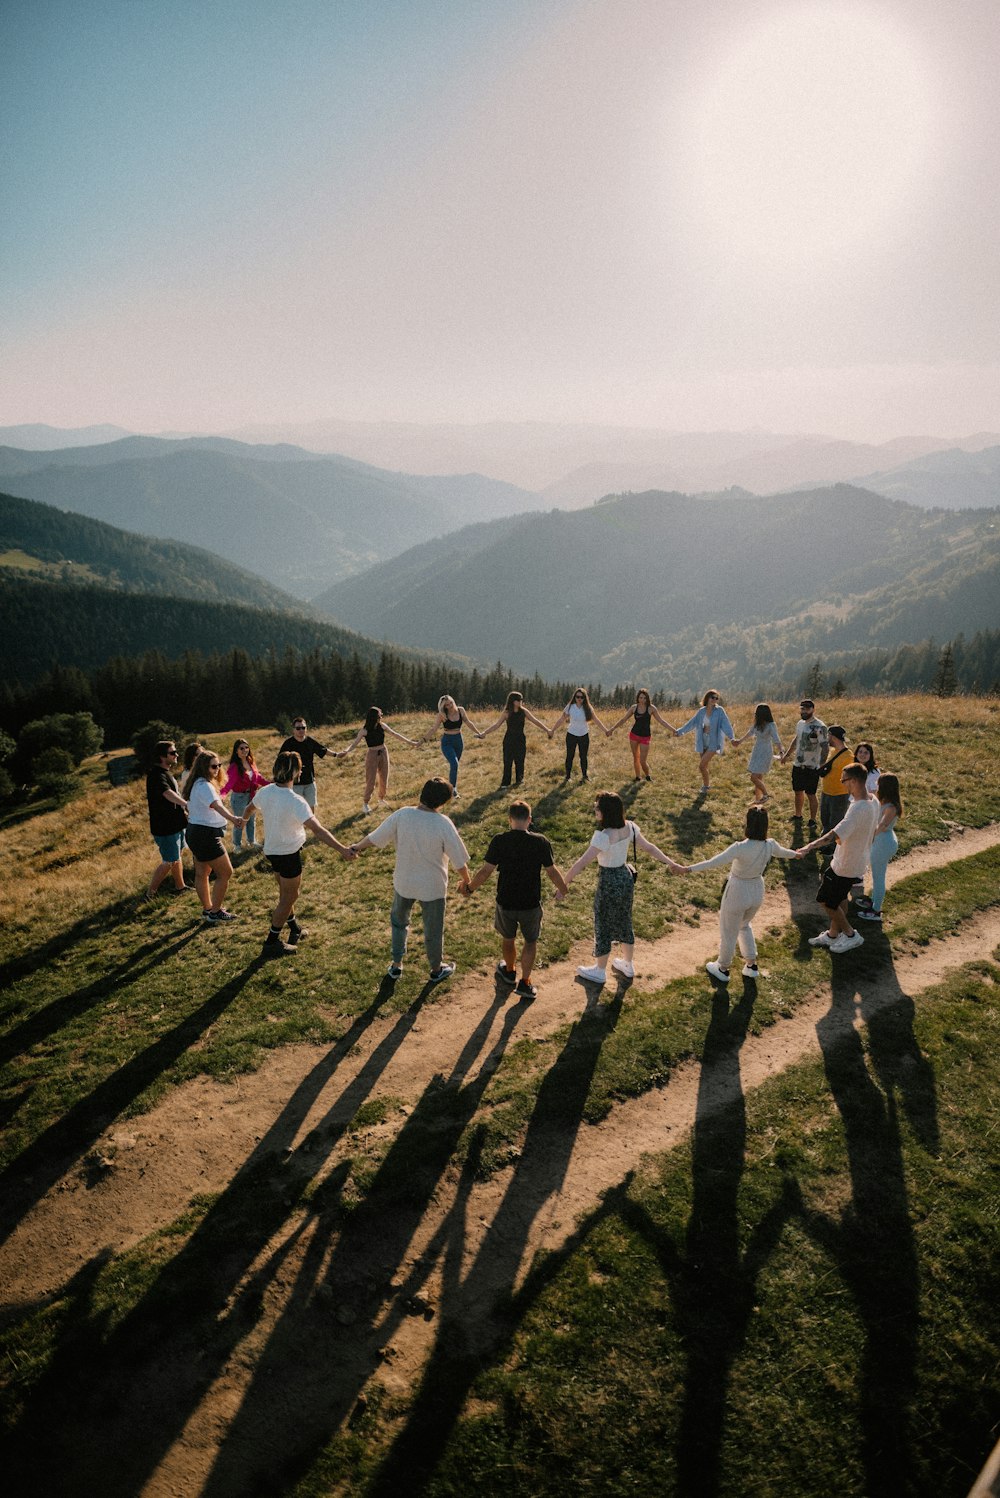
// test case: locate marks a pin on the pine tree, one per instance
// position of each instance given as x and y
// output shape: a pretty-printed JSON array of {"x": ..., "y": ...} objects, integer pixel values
[{"x": 945, "y": 682}]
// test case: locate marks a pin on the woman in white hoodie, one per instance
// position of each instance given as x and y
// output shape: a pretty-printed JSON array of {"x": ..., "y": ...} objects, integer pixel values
[{"x": 743, "y": 894}]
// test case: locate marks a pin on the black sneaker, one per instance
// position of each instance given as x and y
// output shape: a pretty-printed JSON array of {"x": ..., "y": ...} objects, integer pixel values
[
  {"x": 441, "y": 973},
  {"x": 296, "y": 933},
  {"x": 216, "y": 917},
  {"x": 394, "y": 971},
  {"x": 505, "y": 975},
  {"x": 524, "y": 990},
  {"x": 277, "y": 949}
]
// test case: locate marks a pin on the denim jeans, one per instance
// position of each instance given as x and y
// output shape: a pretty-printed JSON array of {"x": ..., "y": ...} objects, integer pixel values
[
  {"x": 238, "y": 803},
  {"x": 452, "y": 745},
  {"x": 433, "y": 916}
]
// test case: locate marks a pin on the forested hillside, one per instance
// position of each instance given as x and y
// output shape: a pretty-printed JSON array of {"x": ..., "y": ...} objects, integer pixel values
[
  {"x": 674, "y": 588},
  {"x": 72, "y": 548}
]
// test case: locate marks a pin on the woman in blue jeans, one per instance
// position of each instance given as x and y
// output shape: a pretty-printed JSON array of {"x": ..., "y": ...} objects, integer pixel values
[
  {"x": 885, "y": 844},
  {"x": 449, "y": 721}
]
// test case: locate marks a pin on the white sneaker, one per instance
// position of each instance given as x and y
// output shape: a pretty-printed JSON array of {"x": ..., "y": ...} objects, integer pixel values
[
  {"x": 593, "y": 974},
  {"x": 847, "y": 943},
  {"x": 621, "y": 966},
  {"x": 718, "y": 973},
  {"x": 751, "y": 970},
  {"x": 824, "y": 939},
  {"x": 366, "y": 808}
]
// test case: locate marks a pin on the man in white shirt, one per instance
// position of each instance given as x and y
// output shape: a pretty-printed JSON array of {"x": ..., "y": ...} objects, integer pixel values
[
  {"x": 853, "y": 833},
  {"x": 425, "y": 841}
]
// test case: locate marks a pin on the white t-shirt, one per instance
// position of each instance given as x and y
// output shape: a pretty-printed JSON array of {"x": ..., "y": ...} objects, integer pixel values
[
  {"x": 424, "y": 842},
  {"x": 285, "y": 812},
  {"x": 578, "y": 723},
  {"x": 200, "y": 813},
  {"x": 613, "y": 854},
  {"x": 855, "y": 831},
  {"x": 811, "y": 741}
]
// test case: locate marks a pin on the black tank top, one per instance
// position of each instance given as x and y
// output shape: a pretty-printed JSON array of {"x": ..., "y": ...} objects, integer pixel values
[
  {"x": 515, "y": 724},
  {"x": 643, "y": 725},
  {"x": 452, "y": 725},
  {"x": 375, "y": 737}
]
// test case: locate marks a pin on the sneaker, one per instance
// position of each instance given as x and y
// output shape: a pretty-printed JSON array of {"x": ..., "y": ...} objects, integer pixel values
[
  {"x": 366, "y": 809},
  {"x": 824, "y": 939},
  {"x": 795, "y": 819},
  {"x": 621, "y": 966},
  {"x": 812, "y": 822},
  {"x": 593, "y": 974},
  {"x": 216, "y": 917},
  {"x": 524, "y": 990},
  {"x": 296, "y": 933},
  {"x": 751, "y": 970},
  {"x": 394, "y": 970},
  {"x": 505, "y": 975},
  {"x": 454, "y": 795},
  {"x": 441, "y": 973},
  {"x": 720, "y": 974},
  {"x": 648, "y": 777},
  {"x": 277, "y": 949},
  {"x": 847, "y": 943},
  {"x": 869, "y": 915}
]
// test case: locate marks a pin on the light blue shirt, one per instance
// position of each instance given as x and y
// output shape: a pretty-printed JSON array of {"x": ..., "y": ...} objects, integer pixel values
[{"x": 711, "y": 728}]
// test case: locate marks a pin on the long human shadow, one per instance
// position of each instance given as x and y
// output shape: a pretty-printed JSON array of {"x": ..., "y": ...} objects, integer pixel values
[
  {"x": 87, "y": 1429},
  {"x": 479, "y": 1308},
  {"x": 95, "y": 924},
  {"x": 691, "y": 828},
  {"x": 53, "y": 1016},
  {"x": 873, "y": 1243},
  {"x": 37, "y": 1168},
  {"x": 326, "y": 1373}
]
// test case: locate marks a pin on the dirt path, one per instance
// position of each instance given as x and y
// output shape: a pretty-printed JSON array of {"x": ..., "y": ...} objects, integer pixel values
[{"x": 380, "y": 1297}]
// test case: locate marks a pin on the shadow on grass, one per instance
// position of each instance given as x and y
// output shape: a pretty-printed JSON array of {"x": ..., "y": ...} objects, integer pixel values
[
  {"x": 200, "y": 1306},
  {"x": 96, "y": 924},
  {"x": 691, "y": 829},
  {"x": 27, "y": 1178}
]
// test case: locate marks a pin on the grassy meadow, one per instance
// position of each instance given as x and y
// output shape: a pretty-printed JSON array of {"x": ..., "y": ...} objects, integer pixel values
[{"x": 800, "y": 1300}]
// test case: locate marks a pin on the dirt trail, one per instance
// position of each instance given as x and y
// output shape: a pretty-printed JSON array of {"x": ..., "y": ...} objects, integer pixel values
[
  {"x": 387, "y": 1294},
  {"x": 203, "y": 1131}
]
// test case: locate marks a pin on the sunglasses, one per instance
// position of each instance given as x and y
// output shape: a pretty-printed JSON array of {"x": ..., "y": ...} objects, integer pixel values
[{"x": 215, "y": 764}]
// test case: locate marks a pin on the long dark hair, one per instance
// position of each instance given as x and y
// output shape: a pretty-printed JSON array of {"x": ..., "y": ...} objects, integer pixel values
[
  {"x": 756, "y": 824},
  {"x": 864, "y": 744},
  {"x": 234, "y": 758},
  {"x": 514, "y": 703},
  {"x": 200, "y": 771},
  {"x": 373, "y": 718},
  {"x": 762, "y": 715},
  {"x": 588, "y": 711},
  {"x": 888, "y": 792}
]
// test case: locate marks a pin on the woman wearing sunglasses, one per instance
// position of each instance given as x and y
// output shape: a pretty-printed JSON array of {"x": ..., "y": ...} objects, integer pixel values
[
  {"x": 578, "y": 716},
  {"x": 207, "y": 818}
]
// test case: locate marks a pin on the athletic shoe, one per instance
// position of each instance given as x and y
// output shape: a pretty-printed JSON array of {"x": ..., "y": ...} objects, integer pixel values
[
  {"x": 440, "y": 974},
  {"x": 296, "y": 933},
  {"x": 751, "y": 970},
  {"x": 847, "y": 943},
  {"x": 394, "y": 970},
  {"x": 277, "y": 949},
  {"x": 648, "y": 777},
  {"x": 795, "y": 819},
  {"x": 621, "y": 966},
  {"x": 216, "y": 917},
  {"x": 869, "y": 915},
  {"x": 593, "y": 974},
  {"x": 718, "y": 973},
  {"x": 366, "y": 809},
  {"x": 824, "y": 939},
  {"x": 505, "y": 975},
  {"x": 454, "y": 795},
  {"x": 524, "y": 990},
  {"x": 863, "y": 902},
  {"x": 812, "y": 821}
]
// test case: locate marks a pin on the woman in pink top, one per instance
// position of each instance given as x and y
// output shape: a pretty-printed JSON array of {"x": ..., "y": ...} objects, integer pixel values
[{"x": 242, "y": 779}]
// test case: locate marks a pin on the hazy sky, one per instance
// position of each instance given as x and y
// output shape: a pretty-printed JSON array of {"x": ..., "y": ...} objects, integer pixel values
[{"x": 722, "y": 214}]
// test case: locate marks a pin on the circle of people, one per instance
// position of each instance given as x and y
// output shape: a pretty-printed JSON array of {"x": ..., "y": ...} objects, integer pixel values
[{"x": 857, "y": 806}]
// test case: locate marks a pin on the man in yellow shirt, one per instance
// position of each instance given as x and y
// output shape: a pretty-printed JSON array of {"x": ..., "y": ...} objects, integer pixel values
[{"x": 833, "y": 800}]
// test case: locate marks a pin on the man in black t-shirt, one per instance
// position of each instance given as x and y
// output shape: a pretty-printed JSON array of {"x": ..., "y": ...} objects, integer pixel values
[
  {"x": 520, "y": 855},
  {"x": 167, "y": 817},
  {"x": 309, "y": 750}
]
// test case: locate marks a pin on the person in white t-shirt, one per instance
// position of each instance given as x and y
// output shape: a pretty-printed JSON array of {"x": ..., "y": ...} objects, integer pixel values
[
  {"x": 853, "y": 834},
  {"x": 426, "y": 841},
  {"x": 287, "y": 818}
]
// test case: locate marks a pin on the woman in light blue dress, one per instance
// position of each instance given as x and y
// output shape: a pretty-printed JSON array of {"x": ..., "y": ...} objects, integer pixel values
[
  {"x": 764, "y": 733},
  {"x": 711, "y": 727}
]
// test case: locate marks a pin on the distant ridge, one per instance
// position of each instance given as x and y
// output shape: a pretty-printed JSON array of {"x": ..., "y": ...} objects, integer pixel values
[{"x": 37, "y": 435}]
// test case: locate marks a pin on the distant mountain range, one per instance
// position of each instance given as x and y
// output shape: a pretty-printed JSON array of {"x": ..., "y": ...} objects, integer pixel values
[
  {"x": 298, "y": 519},
  {"x": 670, "y": 587}
]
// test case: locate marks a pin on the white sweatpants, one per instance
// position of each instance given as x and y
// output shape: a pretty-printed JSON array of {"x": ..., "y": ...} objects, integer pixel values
[{"x": 740, "y": 903}]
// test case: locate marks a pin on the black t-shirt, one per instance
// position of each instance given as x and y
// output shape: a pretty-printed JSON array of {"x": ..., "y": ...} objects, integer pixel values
[
  {"x": 307, "y": 749},
  {"x": 164, "y": 816},
  {"x": 519, "y": 857}
]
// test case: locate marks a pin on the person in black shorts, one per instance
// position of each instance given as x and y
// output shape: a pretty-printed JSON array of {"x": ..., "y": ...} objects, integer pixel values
[
  {"x": 809, "y": 746},
  {"x": 286, "y": 819},
  {"x": 520, "y": 855},
  {"x": 309, "y": 750}
]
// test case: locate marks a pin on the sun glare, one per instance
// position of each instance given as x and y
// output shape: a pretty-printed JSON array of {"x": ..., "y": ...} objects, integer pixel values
[{"x": 810, "y": 135}]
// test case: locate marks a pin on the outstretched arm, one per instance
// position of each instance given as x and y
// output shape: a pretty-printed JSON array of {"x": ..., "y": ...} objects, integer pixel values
[
  {"x": 343, "y": 753},
  {"x": 537, "y": 721},
  {"x": 657, "y": 853},
  {"x": 623, "y": 719},
  {"x": 403, "y": 739},
  {"x": 466, "y": 719},
  {"x": 661, "y": 719},
  {"x": 480, "y": 877},
  {"x": 437, "y": 724},
  {"x": 581, "y": 863},
  {"x": 326, "y": 837}
]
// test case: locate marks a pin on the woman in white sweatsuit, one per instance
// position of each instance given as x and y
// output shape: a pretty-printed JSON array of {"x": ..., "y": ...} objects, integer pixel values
[{"x": 743, "y": 894}]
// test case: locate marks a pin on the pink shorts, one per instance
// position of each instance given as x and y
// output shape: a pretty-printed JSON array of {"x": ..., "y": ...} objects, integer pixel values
[{"x": 638, "y": 738}]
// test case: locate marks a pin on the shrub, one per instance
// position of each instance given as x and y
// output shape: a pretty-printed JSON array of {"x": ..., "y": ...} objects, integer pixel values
[
  {"x": 76, "y": 733},
  {"x": 145, "y": 740},
  {"x": 53, "y": 771}
]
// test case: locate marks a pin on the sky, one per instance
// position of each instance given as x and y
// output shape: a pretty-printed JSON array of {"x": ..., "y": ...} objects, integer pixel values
[{"x": 776, "y": 214}]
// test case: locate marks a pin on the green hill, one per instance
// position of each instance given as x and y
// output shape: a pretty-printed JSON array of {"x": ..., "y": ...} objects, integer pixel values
[{"x": 670, "y": 587}]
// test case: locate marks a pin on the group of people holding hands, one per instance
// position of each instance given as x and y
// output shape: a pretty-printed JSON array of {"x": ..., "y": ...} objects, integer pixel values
[{"x": 859, "y": 824}]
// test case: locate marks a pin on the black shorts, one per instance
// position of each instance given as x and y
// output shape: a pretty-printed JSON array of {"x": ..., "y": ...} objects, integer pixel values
[
  {"x": 834, "y": 889},
  {"x": 286, "y": 865},
  {"x": 205, "y": 842},
  {"x": 506, "y": 922},
  {"x": 805, "y": 778}
]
